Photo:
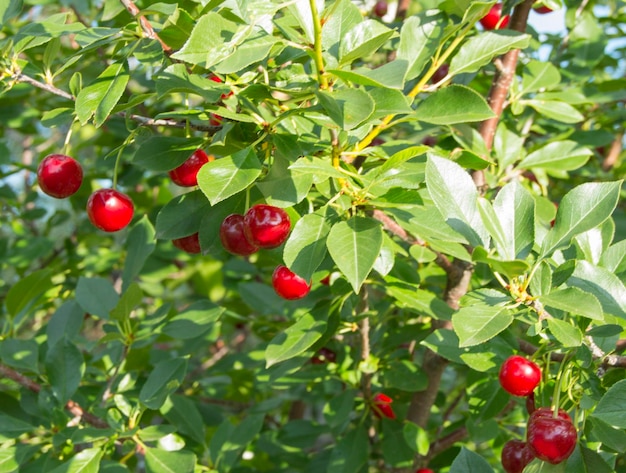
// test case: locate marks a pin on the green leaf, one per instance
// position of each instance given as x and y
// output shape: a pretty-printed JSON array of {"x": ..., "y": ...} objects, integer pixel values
[
  {"x": 420, "y": 37},
  {"x": 421, "y": 301},
  {"x": 129, "y": 301},
  {"x": 611, "y": 408},
  {"x": 164, "y": 379},
  {"x": 389, "y": 102},
  {"x": 511, "y": 268},
  {"x": 20, "y": 354},
  {"x": 614, "y": 258},
  {"x": 558, "y": 155},
  {"x": 556, "y": 110},
  {"x": 566, "y": 334},
  {"x": 396, "y": 452},
  {"x": 585, "y": 460},
  {"x": 163, "y": 153},
  {"x": 581, "y": 209},
  {"x": 321, "y": 169},
  {"x": 405, "y": 376},
  {"x": 515, "y": 208},
  {"x": 161, "y": 461},
  {"x": 362, "y": 40},
  {"x": 65, "y": 322},
  {"x": 479, "y": 323},
  {"x": 467, "y": 461},
  {"x": 8, "y": 10},
  {"x": 354, "y": 246},
  {"x": 389, "y": 75},
  {"x": 455, "y": 195},
  {"x": 177, "y": 79},
  {"x": 539, "y": 75},
  {"x": 65, "y": 368},
  {"x": 98, "y": 99},
  {"x": 282, "y": 187},
  {"x": 229, "y": 441},
  {"x": 194, "y": 321},
  {"x": 27, "y": 291},
  {"x": 96, "y": 296},
  {"x": 348, "y": 108},
  {"x": 182, "y": 412},
  {"x": 86, "y": 461},
  {"x": 607, "y": 287},
  {"x": 306, "y": 247},
  {"x": 416, "y": 438},
  {"x": 575, "y": 301},
  {"x": 609, "y": 436},
  {"x": 350, "y": 454},
  {"x": 8, "y": 461},
  {"x": 299, "y": 337},
  {"x": 254, "y": 49},
  {"x": 140, "y": 244},
  {"x": 301, "y": 10},
  {"x": 182, "y": 215},
  {"x": 10, "y": 427},
  {"x": 480, "y": 49},
  {"x": 453, "y": 104},
  {"x": 344, "y": 15},
  {"x": 224, "y": 177}
]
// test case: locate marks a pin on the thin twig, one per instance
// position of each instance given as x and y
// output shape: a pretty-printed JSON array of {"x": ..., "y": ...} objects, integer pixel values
[
  {"x": 73, "y": 407},
  {"x": 146, "y": 26},
  {"x": 614, "y": 152}
]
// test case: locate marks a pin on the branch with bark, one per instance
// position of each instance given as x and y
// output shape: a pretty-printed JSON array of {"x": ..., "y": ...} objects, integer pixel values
[
  {"x": 146, "y": 26},
  {"x": 72, "y": 407}
]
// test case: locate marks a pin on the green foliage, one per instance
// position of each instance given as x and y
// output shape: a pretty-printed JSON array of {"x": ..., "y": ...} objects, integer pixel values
[{"x": 436, "y": 245}]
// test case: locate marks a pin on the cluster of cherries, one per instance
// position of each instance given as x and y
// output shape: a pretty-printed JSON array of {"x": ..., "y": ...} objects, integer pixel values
[
  {"x": 262, "y": 227},
  {"x": 550, "y": 436}
]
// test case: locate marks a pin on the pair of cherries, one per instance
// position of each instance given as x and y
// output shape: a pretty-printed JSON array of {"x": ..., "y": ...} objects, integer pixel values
[
  {"x": 61, "y": 176},
  {"x": 550, "y": 437},
  {"x": 263, "y": 227}
]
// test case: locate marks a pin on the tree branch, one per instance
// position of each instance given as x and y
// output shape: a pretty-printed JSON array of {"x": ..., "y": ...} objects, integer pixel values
[
  {"x": 73, "y": 407},
  {"x": 614, "y": 152},
  {"x": 146, "y": 26}
]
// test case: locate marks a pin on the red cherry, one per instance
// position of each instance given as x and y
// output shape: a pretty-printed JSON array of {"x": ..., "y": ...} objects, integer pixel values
[
  {"x": 288, "y": 284},
  {"x": 59, "y": 176},
  {"x": 233, "y": 237},
  {"x": 325, "y": 280},
  {"x": 186, "y": 175},
  {"x": 542, "y": 10},
  {"x": 266, "y": 226},
  {"x": 382, "y": 406},
  {"x": 492, "y": 19},
  {"x": 515, "y": 456},
  {"x": 324, "y": 355},
  {"x": 429, "y": 141},
  {"x": 214, "y": 78},
  {"x": 215, "y": 119},
  {"x": 189, "y": 244},
  {"x": 530, "y": 403},
  {"x": 519, "y": 376},
  {"x": 551, "y": 439},
  {"x": 380, "y": 9},
  {"x": 109, "y": 210},
  {"x": 440, "y": 74},
  {"x": 424, "y": 470}
]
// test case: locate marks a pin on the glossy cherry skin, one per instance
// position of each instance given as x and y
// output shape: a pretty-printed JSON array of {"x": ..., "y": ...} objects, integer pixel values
[
  {"x": 519, "y": 376},
  {"x": 382, "y": 406},
  {"x": 186, "y": 175},
  {"x": 380, "y": 9},
  {"x": 59, "y": 176},
  {"x": 551, "y": 439},
  {"x": 288, "y": 284},
  {"x": 233, "y": 237},
  {"x": 266, "y": 226},
  {"x": 424, "y": 470},
  {"x": 324, "y": 355},
  {"x": 189, "y": 244},
  {"x": 491, "y": 19},
  {"x": 440, "y": 73},
  {"x": 542, "y": 10},
  {"x": 515, "y": 456},
  {"x": 109, "y": 210}
]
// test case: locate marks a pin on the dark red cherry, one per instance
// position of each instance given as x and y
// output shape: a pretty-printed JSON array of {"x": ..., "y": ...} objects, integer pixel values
[
  {"x": 492, "y": 19},
  {"x": 189, "y": 244},
  {"x": 542, "y": 10},
  {"x": 266, "y": 226},
  {"x": 380, "y": 8},
  {"x": 515, "y": 456},
  {"x": 288, "y": 284},
  {"x": 519, "y": 376},
  {"x": 109, "y": 210},
  {"x": 186, "y": 175},
  {"x": 59, "y": 176},
  {"x": 551, "y": 439},
  {"x": 441, "y": 73},
  {"x": 324, "y": 355},
  {"x": 233, "y": 237}
]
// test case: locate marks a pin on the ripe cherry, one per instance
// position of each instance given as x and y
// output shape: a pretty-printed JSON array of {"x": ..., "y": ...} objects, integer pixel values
[
  {"x": 440, "y": 74},
  {"x": 324, "y": 355},
  {"x": 215, "y": 119},
  {"x": 494, "y": 19},
  {"x": 233, "y": 237},
  {"x": 515, "y": 456},
  {"x": 214, "y": 78},
  {"x": 266, "y": 226},
  {"x": 186, "y": 175},
  {"x": 542, "y": 10},
  {"x": 380, "y": 9},
  {"x": 288, "y": 284},
  {"x": 382, "y": 406},
  {"x": 424, "y": 470},
  {"x": 109, "y": 210},
  {"x": 519, "y": 376},
  {"x": 325, "y": 280},
  {"x": 551, "y": 439},
  {"x": 189, "y": 244},
  {"x": 59, "y": 176}
]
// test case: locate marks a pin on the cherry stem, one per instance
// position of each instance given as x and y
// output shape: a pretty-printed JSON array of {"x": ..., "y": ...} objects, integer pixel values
[
  {"x": 68, "y": 136},
  {"x": 558, "y": 386}
]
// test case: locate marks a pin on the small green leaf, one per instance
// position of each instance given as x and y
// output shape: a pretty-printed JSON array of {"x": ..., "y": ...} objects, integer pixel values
[
  {"x": 163, "y": 153},
  {"x": 8, "y": 460},
  {"x": 350, "y": 454},
  {"x": 85, "y": 461},
  {"x": 515, "y": 208},
  {"x": 99, "y": 98},
  {"x": 27, "y": 291},
  {"x": 182, "y": 412},
  {"x": 362, "y": 40},
  {"x": 611, "y": 408},
  {"x": 480, "y": 49},
  {"x": 96, "y": 296},
  {"x": 405, "y": 376},
  {"x": 130, "y": 299},
  {"x": 164, "y": 379},
  {"x": 65, "y": 368},
  {"x": 224, "y": 177},
  {"x": 299, "y": 337},
  {"x": 320, "y": 169},
  {"x": 539, "y": 75},
  {"x": 140, "y": 244},
  {"x": 416, "y": 438},
  {"x": 354, "y": 246},
  {"x": 161, "y": 461},
  {"x": 560, "y": 155},
  {"x": 565, "y": 333},
  {"x": 467, "y": 461},
  {"x": 604, "y": 285},
  {"x": 65, "y": 322},
  {"x": 420, "y": 37},
  {"x": 181, "y": 216},
  {"x": 194, "y": 321},
  {"x": 453, "y": 104},
  {"x": 575, "y": 301},
  {"x": 20, "y": 354},
  {"x": 348, "y": 108},
  {"x": 556, "y": 110},
  {"x": 306, "y": 247},
  {"x": 581, "y": 209},
  {"x": 479, "y": 323},
  {"x": 282, "y": 187}
]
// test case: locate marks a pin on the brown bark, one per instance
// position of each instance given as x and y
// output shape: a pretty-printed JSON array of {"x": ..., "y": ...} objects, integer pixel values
[{"x": 614, "y": 152}]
